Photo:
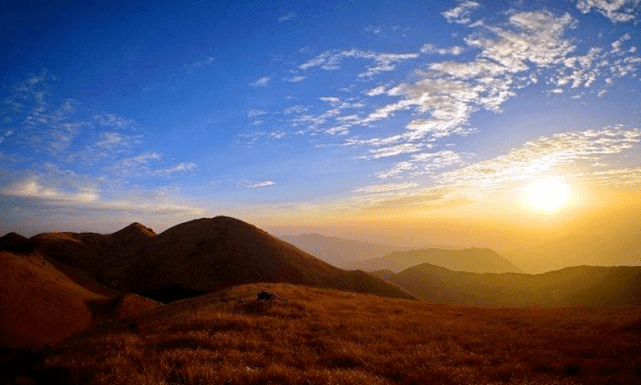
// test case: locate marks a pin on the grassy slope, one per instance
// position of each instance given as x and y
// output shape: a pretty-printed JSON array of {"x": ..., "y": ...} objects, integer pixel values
[
  {"x": 38, "y": 303},
  {"x": 315, "y": 336}
]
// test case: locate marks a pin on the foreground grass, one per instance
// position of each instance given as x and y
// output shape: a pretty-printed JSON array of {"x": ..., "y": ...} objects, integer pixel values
[{"x": 313, "y": 336}]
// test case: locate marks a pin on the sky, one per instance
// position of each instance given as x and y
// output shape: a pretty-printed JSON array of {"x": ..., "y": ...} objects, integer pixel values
[{"x": 417, "y": 120}]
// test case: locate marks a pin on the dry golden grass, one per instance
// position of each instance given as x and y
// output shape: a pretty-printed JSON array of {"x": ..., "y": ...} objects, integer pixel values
[{"x": 315, "y": 336}]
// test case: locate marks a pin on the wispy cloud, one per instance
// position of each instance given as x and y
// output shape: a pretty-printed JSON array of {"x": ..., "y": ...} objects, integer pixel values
[
  {"x": 616, "y": 11},
  {"x": 381, "y": 62},
  {"x": 543, "y": 155},
  {"x": 286, "y": 17},
  {"x": 262, "y": 82},
  {"x": 382, "y": 188},
  {"x": 179, "y": 167},
  {"x": 461, "y": 13},
  {"x": 257, "y": 184}
]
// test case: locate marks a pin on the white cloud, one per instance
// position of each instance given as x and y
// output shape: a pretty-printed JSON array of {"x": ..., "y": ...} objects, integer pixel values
[
  {"x": 252, "y": 113},
  {"x": 258, "y": 184},
  {"x": 423, "y": 163},
  {"x": 295, "y": 79},
  {"x": 383, "y": 188},
  {"x": 32, "y": 188},
  {"x": 616, "y": 45},
  {"x": 113, "y": 120},
  {"x": 179, "y": 167},
  {"x": 398, "y": 149},
  {"x": 381, "y": 62},
  {"x": 380, "y": 90},
  {"x": 615, "y": 10},
  {"x": 461, "y": 13},
  {"x": 398, "y": 168},
  {"x": 542, "y": 155},
  {"x": 262, "y": 82},
  {"x": 431, "y": 48},
  {"x": 286, "y": 17}
]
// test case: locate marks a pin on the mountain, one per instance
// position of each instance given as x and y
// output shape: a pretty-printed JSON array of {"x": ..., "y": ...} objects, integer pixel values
[
  {"x": 573, "y": 286},
  {"x": 91, "y": 252},
  {"x": 338, "y": 251},
  {"x": 16, "y": 243},
  {"x": 210, "y": 254},
  {"x": 477, "y": 260}
]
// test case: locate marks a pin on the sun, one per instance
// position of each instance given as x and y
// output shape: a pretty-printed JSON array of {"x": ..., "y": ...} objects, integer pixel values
[{"x": 548, "y": 194}]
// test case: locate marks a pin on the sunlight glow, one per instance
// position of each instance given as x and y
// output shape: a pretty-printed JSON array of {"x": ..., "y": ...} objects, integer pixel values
[{"x": 548, "y": 194}]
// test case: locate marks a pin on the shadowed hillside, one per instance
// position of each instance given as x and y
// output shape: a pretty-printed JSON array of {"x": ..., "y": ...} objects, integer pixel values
[
  {"x": 572, "y": 286},
  {"x": 478, "y": 260},
  {"x": 193, "y": 258},
  {"x": 91, "y": 252},
  {"x": 39, "y": 304},
  {"x": 210, "y": 254},
  {"x": 302, "y": 335}
]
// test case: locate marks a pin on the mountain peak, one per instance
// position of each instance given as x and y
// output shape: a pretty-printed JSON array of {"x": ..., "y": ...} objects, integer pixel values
[
  {"x": 136, "y": 227},
  {"x": 16, "y": 243}
]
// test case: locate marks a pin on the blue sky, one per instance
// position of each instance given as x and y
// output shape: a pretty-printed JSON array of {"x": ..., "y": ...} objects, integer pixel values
[{"x": 284, "y": 113}]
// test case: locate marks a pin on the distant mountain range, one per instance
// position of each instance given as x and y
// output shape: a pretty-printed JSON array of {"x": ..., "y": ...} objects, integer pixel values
[
  {"x": 572, "y": 286},
  {"x": 346, "y": 253},
  {"x": 477, "y": 260}
]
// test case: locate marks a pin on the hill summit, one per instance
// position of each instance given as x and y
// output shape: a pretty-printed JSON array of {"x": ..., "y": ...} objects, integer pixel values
[
  {"x": 197, "y": 257},
  {"x": 209, "y": 254}
]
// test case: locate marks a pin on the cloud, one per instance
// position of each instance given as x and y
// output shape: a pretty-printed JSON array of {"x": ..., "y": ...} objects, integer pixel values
[
  {"x": 31, "y": 195},
  {"x": 295, "y": 78},
  {"x": 113, "y": 121},
  {"x": 252, "y": 113},
  {"x": 616, "y": 11},
  {"x": 286, "y": 17},
  {"x": 630, "y": 176},
  {"x": 398, "y": 149},
  {"x": 461, "y": 13},
  {"x": 258, "y": 184},
  {"x": 423, "y": 163},
  {"x": 179, "y": 167},
  {"x": 543, "y": 155},
  {"x": 381, "y": 62},
  {"x": 535, "y": 38},
  {"x": 140, "y": 165},
  {"x": 32, "y": 188},
  {"x": 262, "y": 82},
  {"x": 382, "y": 188},
  {"x": 431, "y": 48},
  {"x": 380, "y": 90}
]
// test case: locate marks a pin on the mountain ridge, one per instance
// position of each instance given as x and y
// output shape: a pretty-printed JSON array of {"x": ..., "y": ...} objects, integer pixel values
[
  {"x": 475, "y": 259},
  {"x": 570, "y": 286}
]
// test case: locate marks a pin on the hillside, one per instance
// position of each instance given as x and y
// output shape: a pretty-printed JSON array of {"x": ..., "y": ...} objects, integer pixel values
[
  {"x": 91, "y": 252},
  {"x": 210, "y": 254},
  {"x": 573, "y": 286},
  {"x": 311, "y": 336},
  {"x": 39, "y": 304},
  {"x": 478, "y": 260}
]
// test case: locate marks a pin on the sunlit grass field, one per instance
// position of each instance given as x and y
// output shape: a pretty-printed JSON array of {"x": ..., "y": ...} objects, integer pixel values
[{"x": 315, "y": 336}]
